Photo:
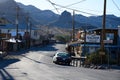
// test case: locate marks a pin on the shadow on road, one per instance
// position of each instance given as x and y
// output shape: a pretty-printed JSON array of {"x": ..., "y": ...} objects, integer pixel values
[
  {"x": 44, "y": 48},
  {"x": 31, "y": 59},
  {"x": 14, "y": 57},
  {"x": 4, "y": 74},
  {"x": 38, "y": 48}
]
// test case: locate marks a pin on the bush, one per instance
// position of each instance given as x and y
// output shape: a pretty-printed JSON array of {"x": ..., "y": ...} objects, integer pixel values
[
  {"x": 96, "y": 58},
  {"x": 63, "y": 38}
]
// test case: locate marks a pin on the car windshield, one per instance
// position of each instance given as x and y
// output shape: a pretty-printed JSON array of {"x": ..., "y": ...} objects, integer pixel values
[{"x": 63, "y": 54}]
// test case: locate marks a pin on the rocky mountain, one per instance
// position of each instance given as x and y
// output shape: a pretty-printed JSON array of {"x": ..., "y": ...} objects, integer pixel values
[
  {"x": 111, "y": 20},
  {"x": 49, "y": 18},
  {"x": 2, "y": 1},
  {"x": 65, "y": 20},
  {"x": 8, "y": 11},
  {"x": 40, "y": 16}
]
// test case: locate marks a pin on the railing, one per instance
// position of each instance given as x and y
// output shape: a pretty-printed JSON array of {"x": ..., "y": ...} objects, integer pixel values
[{"x": 78, "y": 61}]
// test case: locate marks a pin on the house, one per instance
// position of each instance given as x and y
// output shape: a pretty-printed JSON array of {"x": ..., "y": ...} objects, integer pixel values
[
  {"x": 89, "y": 41},
  {"x": 31, "y": 36}
]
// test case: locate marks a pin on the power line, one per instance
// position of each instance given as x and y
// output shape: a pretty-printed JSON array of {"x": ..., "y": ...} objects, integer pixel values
[
  {"x": 116, "y": 5},
  {"x": 89, "y": 10},
  {"x": 53, "y": 5},
  {"x": 75, "y": 3},
  {"x": 73, "y": 9},
  {"x": 70, "y": 8},
  {"x": 78, "y": 3}
]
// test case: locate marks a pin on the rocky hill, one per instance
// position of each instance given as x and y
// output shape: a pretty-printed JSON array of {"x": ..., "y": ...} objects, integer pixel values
[
  {"x": 8, "y": 11},
  {"x": 49, "y": 18},
  {"x": 41, "y": 17},
  {"x": 65, "y": 21},
  {"x": 111, "y": 20}
]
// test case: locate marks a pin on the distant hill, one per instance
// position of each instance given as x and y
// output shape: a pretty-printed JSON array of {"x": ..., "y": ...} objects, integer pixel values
[
  {"x": 40, "y": 16},
  {"x": 65, "y": 21},
  {"x": 3, "y": 1},
  {"x": 8, "y": 11},
  {"x": 111, "y": 20},
  {"x": 49, "y": 18}
]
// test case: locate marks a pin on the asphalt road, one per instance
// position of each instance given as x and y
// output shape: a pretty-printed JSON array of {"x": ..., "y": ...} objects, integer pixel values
[{"x": 36, "y": 64}]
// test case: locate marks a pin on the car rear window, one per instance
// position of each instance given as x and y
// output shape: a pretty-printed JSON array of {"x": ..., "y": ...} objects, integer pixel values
[{"x": 62, "y": 54}]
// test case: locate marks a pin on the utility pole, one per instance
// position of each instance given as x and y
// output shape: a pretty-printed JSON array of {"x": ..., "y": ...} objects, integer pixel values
[
  {"x": 103, "y": 26},
  {"x": 27, "y": 32},
  {"x": 103, "y": 35},
  {"x": 17, "y": 22},
  {"x": 85, "y": 32},
  {"x": 30, "y": 32},
  {"x": 73, "y": 26},
  {"x": 27, "y": 21}
]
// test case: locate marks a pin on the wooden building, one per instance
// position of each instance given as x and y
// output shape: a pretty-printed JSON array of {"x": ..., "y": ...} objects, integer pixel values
[{"x": 90, "y": 41}]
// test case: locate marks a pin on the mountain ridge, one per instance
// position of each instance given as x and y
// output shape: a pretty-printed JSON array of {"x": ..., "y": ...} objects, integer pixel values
[
  {"x": 49, "y": 18},
  {"x": 40, "y": 16},
  {"x": 95, "y": 21}
]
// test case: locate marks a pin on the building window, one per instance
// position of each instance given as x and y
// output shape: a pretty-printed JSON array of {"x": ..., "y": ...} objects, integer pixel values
[
  {"x": 35, "y": 33},
  {"x": 8, "y": 31},
  {"x": 109, "y": 36}
]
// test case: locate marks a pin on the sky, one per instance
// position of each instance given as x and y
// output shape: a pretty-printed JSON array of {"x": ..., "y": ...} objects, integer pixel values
[{"x": 84, "y": 7}]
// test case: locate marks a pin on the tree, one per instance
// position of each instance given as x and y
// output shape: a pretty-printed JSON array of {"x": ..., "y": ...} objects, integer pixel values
[
  {"x": 63, "y": 38},
  {"x": 95, "y": 58}
]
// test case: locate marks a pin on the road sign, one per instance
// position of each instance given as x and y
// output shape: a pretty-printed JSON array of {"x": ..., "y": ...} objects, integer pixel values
[
  {"x": 102, "y": 53},
  {"x": 108, "y": 41},
  {"x": 93, "y": 38}
]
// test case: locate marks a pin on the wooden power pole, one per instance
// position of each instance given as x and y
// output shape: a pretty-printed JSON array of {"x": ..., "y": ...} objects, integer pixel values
[
  {"x": 27, "y": 22},
  {"x": 103, "y": 26},
  {"x": 17, "y": 22},
  {"x": 73, "y": 26}
]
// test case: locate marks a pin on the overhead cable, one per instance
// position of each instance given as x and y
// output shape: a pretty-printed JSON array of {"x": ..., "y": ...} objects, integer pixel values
[
  {"x": 116, "y": 5},
  {"x": 53, "y": 5},
  {"x": 75, "y": 3},
  {"x": 72, "y": 4},
  {"x": 73, "y": 9}
]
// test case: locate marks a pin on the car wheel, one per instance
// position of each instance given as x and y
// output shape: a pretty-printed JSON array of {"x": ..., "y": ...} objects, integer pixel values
[
  {"x": 68, "y": 63},
  {"x": 55, "y": 62}
]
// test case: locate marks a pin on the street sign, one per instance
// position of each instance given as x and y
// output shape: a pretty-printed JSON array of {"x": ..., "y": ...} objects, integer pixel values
[
  {"x": 108, "y": 41},
  {"x": 102, "y": 53},
  {"x": 93, "y": 38}
]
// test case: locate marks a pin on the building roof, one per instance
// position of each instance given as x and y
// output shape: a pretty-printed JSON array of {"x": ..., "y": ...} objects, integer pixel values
[
  {"x": 93, "y": 45},
  {"x": 101, "y": 29}
]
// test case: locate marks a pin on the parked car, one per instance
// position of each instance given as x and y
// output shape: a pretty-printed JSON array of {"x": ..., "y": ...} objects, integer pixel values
[{"x": 62, "y": 58}]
